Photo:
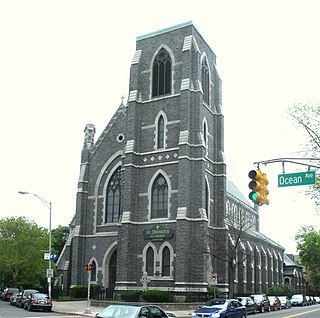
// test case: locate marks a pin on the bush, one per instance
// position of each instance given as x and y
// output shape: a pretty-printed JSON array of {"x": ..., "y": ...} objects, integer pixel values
[
  {"x": 157, "y": 296},
  {"x": 81, "y": 291},
  {"x": 131, "y": 295},
  {"x": 214, "y": 291}
]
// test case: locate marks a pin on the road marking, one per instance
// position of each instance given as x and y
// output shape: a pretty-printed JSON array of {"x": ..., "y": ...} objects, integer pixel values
[{"x": 300, "y": 314}]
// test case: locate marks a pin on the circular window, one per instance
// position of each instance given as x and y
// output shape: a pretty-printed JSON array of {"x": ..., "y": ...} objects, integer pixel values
[{"x": 120, "y": 138}]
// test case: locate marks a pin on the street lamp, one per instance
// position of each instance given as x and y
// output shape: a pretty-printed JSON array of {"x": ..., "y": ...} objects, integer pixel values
[{"x": 49, "y": 206}]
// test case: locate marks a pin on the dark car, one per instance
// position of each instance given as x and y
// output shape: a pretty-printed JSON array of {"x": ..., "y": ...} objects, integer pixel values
[
  {"x": 285, "y": 302},
  {"x": 248, "y": 302},
  {"x": 221, "y": 307},
  {"x": 133, "y": 311},
  {"x": 13, "y": 298},
  {"x": 7, "y": 293},
  {"x": 299, "y": 300},
  {"x": 38, "y": 301},
  {"x": 21, "y": 300},
  {"x": 262, "y": 301},
  {"x": 275, "y": 303}
]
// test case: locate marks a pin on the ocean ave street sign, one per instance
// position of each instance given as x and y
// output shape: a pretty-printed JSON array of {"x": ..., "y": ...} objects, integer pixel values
[{"x": 296, "y": 179}]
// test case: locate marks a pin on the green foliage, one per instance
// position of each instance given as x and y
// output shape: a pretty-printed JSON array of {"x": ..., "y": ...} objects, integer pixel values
[
  {"x": 81, "y": 291},
  {"x": 22, "y": 246},
  {"x": 131, "y": 295},
  {"x": 281, "y": 290},
  {"x": 214, "y": 291},
  {"x": 157, "y": 296},
  {"x": 59, "y": 238},
  {"x": 308, "y": 246}
]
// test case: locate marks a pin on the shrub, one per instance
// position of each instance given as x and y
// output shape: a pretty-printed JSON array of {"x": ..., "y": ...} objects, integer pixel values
[
  {"x": 214, "y": 291},
  {"x": 157, "y": 296},
  {"x": 131, "y": 295},
  {"x": 81, "y": 291}
]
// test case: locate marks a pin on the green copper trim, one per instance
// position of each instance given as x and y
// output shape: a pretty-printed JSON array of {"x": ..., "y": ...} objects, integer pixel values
[{"x": 178, "y": 26}]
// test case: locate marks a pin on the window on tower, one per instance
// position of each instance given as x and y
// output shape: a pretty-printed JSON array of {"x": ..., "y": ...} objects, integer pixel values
[
  {"x": 205, "y": 80},
  {"x": 160, "y": 137},
  {"x": 161, "y": 74},
  {"x": 166, "y": 262},
  {"x": 159, "y": 197},
  {"x": 113, "y": 196}
]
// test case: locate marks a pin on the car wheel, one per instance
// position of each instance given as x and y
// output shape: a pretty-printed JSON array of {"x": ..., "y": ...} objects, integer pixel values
[
  {"x": 268, "y": 309},
  {"x": 29, "y": 308},
  {"x": 49, "y": 309},
  {"x": 262, "y": 309}
]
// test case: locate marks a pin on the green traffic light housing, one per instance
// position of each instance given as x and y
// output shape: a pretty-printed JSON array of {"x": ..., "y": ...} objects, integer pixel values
[{"x": 258, "y": 185}]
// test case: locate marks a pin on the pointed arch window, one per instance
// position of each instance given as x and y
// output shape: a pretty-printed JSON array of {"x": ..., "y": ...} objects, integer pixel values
[
  {"x": 207, "y": 197},
  {"x": 205, "y": 137},
  {"x": 205, "y": 80},
  {"x": 113, "y": 197},
  {"x": 161, "y": 74},
  {"x": 159, "y": 197},
  {"x": 160, "y": 137},
  {"x": 150, "y": 261},
  {"x": 94, "y": 271},
  {"x": 166, "y": 262}
]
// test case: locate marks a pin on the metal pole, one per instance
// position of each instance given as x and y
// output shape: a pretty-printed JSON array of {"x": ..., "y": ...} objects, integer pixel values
[
  {"x": 49, "y": 206},
  {"x": 50, "y": 247}
]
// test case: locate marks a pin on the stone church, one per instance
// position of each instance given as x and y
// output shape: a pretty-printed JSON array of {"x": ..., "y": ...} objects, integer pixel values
[{"x": 154, "y": 206}]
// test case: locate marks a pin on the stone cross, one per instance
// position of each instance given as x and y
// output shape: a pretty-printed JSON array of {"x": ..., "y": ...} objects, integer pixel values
[{"x": 145, "y": 280}]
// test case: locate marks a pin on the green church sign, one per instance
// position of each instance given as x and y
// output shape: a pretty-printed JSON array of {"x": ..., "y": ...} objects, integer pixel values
[{"x": 158, "y": 232}]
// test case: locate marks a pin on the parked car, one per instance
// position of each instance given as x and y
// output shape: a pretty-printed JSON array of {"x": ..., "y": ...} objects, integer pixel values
[
  {"x": 317, "y": 299},
  {"x": 275, "y": 303},
  {"x": 133, "y": 311},
  {"x": 248, "y": 302},
  {"x": 38, "y": 301},
  {"x": 13, "y": 297},
  {"x": 7, "y": 293},
  {"x": 298, "y": 300},
  {"x": 21, "y": 300},
  {"x": 262, "y": 301},
  {"x": 310, "y": 300},
  {"x": 221, "y": 307},
  {"x": 285, "y": 302}
]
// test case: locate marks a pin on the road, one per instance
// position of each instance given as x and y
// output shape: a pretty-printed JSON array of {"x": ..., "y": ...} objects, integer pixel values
[{"x": 8, "y": 311}]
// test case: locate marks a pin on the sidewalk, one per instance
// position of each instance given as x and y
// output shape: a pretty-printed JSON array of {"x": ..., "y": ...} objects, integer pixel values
[{"x": 81, "y": 308}]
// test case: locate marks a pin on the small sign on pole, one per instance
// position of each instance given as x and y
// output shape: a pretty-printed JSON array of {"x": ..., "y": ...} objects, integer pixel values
[{"x": 214, "y": 278}]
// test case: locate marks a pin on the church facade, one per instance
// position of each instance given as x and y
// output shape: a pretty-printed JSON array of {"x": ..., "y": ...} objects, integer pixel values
[{"x": 154, "y": 206}]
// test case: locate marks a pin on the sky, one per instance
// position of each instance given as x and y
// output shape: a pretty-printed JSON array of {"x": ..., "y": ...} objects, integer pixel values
[{"x": 64, "y": 64}]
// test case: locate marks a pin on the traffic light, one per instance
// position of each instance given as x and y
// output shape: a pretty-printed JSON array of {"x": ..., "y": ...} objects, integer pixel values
[
  {"x": 88, "y": 267},
  {"x": 258, "y": 185}
]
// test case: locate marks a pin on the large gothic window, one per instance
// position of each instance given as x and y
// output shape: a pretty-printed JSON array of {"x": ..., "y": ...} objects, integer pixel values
[
  {"x": 161, "y": 74},
  {"x": 207, "y": 197},
  {"x": 113, "y": 196},
  {"x": 160, "y": 137},
  {"x": 150, "y": 261},
  {"x": 166, "y": 262},
  {"x": 159, "y": 197},
  {"x": 205, "y": 80}
]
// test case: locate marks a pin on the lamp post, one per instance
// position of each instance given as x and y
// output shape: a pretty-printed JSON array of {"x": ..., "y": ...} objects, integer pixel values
[{"x": 49, "y": 206}]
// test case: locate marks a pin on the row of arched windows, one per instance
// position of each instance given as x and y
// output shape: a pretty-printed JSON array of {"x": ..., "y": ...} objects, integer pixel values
[
  {"x": 165, "y": 261},
  {"x": 162, "y": 76}
]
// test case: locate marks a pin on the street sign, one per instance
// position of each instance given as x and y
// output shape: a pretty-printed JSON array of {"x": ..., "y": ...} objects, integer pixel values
[
  {"x": 214, "y": 278},
  {"x": 48, "y": 257},
  {"x": 53, "y": 257},
  {"x": 49, "y": 273},
  {"x": 296, "y": 179}
]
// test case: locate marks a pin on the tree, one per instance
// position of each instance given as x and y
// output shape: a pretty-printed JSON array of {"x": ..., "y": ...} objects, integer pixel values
[
  {"x": 22, "y": 246},
  {"x": 308, "y": 246},
  {"x": 307, "y": 116},
  {"x": 226, "y": 244},
  {"x": 59, "y": 238}
]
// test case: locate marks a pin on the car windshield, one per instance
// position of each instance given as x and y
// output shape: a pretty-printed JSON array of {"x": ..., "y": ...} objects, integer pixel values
[
  {"x": 257, "y": 297},
  {"x": 282, "y": 298},
  {"x": 119, "y": 311},
  {"x": 216, "y": 303},
  {"x": 272, "y": 298},
  {"x": 297, "y": 297},
  {"x": 40, "y": 296}
]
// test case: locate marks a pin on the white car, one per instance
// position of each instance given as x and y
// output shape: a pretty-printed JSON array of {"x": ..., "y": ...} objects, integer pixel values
[{"x": 285, "y": 302}]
